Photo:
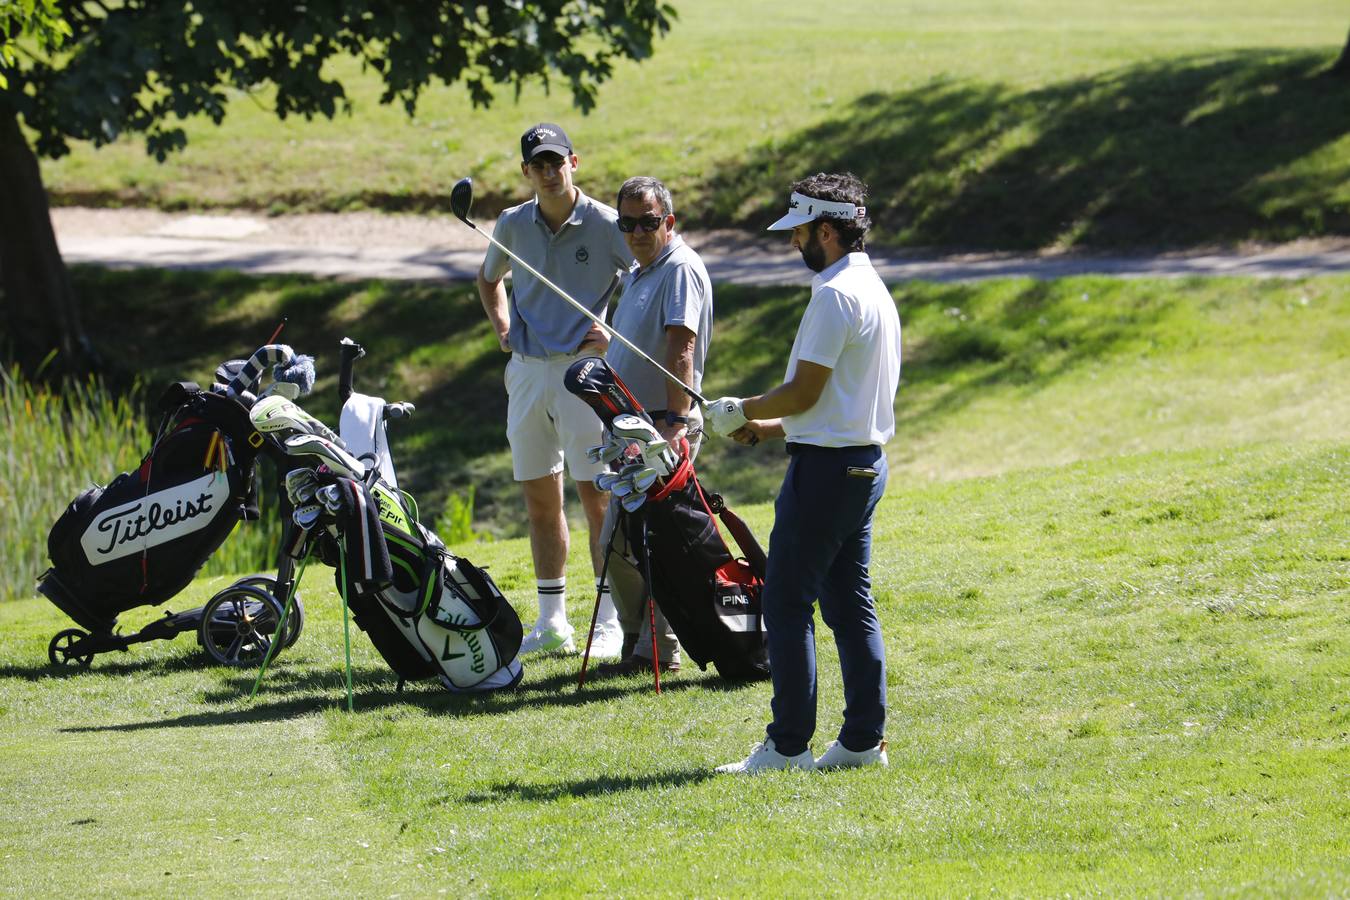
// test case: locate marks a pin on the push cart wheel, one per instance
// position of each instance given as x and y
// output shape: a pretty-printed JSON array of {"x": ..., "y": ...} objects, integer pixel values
[
  {"x": 295, "y": 622},
  {"x": 239, "y": 625},
  {"x": 59, "y": 652}
]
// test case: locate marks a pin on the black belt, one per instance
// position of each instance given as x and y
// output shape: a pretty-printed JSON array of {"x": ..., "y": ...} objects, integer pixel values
[{"x": 793, "y": 448}]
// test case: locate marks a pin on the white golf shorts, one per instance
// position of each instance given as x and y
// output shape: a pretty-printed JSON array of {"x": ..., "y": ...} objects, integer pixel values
[{"x": 545, "y": 424}]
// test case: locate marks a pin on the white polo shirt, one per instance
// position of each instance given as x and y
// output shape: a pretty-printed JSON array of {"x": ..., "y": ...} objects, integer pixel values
[{"x": 851, "y": 327}]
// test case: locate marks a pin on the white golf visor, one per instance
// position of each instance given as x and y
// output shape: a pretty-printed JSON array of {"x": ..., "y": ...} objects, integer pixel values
[{"x": 802, "y": 209}]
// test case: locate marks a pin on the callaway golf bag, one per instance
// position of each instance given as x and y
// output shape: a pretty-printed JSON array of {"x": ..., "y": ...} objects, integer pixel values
[
  {"x": 710, "y": 596},
  {"x": 143, "y": 538},
  {"x": 429, "y": 613}
]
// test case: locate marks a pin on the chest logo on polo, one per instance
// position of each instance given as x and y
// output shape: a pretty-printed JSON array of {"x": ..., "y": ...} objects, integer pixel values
[{"x": 583, "y": 254}]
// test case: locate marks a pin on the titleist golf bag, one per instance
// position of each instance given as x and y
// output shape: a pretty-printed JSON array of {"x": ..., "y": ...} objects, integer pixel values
[
  {"x": 710, "y": 596},
  {"x": 429, "y": 613},
  {"x": 143, "y": 538}
]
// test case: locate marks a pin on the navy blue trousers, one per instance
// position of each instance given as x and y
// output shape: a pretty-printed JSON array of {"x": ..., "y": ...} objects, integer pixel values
[{"x": 820, "y": 549}]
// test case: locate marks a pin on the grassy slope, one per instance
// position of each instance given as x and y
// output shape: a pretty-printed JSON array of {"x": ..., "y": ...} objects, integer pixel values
[
  {"x": 1116, "y": 625},
  {"x": 1124, "y": 676},
  {"x": 977, "y": 123}
]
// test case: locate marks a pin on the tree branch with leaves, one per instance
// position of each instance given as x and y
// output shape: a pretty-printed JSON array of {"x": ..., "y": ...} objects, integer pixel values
[{"x": 99, "y": 72}]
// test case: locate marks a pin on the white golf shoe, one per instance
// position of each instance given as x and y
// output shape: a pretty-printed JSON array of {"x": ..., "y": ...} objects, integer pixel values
[
  {"x": 764, "y": 758},
  {"x": 549, "y": 637},
  {"x": 837, "y": 756},
  {"x": 607, "y": 640}
]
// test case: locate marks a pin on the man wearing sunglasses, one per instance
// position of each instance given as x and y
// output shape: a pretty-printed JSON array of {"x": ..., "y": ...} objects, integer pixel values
[
  {"x": 667, "y": 310},
  {"x": 836, "y": 407},
  {"x": 573, "y": 241}
]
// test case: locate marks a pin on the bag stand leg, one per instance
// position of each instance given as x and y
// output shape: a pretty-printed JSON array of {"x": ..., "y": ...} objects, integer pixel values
[
  {"x": 346, "y": 624},
  {"x": 281, "y": 625},
  {"x": 651, "y": 606},
  {"x": 595, "y": 613}
]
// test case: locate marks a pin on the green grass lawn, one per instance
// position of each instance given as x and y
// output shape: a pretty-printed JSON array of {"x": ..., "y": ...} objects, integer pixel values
[
  {"x": 1112, "y": 570},
  {"x": 1044, "y": 123},
  {"x": 1124, "y": 676}
]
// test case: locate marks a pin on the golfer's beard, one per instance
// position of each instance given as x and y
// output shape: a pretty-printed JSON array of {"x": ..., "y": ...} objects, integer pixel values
[{"x": 814, "y": 255}]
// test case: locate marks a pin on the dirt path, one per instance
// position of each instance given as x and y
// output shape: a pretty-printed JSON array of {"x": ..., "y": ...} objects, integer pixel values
[{"x": 372, "y": 245}]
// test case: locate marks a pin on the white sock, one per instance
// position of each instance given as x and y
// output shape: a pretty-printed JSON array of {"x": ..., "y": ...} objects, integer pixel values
[
  {"x": 608, "y": 614},
  {"x": 552, "y": 600}
]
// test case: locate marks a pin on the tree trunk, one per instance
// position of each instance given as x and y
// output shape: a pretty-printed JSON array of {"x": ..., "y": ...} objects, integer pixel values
[
  {"x": 1341, "y": 67},
  {"x": 39, "y": 309}
]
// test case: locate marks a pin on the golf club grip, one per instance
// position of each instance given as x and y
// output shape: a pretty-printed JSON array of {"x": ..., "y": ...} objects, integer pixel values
[
  {"x": 349, "y": 353},
  {"x": 585, "y": 312}
]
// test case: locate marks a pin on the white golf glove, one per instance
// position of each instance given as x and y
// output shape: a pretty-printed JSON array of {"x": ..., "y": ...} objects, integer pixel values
[{"x": 725, "y": 415}]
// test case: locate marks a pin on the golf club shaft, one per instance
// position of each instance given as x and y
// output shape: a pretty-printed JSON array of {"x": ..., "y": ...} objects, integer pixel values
[{"x": 586, "y": 312}]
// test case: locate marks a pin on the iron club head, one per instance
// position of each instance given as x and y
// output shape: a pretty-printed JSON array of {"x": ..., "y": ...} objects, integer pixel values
[
  {"x": 461, "y": 198},
  {"x": 633, "y": 502},
  {"x": 643, "y": 479}
]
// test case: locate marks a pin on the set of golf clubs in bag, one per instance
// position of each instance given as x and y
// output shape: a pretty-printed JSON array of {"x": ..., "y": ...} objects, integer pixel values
[{"x": 141, "y": 540}]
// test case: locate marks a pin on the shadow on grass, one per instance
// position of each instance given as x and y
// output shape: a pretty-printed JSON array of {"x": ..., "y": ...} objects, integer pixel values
[
  {"x": 125, "y": 665},
  {"x": 308, "y": 691},
  {"x": 1176, "y": 152},
  {"x": 584, "y": 787}
]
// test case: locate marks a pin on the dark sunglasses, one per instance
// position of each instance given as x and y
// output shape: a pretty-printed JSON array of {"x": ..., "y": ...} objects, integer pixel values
[{"x": 646, "y": 223}]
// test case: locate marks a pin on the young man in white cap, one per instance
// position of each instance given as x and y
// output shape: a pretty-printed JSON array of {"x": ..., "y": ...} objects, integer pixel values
[
  {"x": 836, "y": 409},
  {"x": 574, "y": 242},
  {"x": 667, "y": 310}
]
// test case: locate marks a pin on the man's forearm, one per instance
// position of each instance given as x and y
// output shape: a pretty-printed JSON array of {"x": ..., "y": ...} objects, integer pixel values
[
  {"x": 679, "y": 360},
  {"x": 492, "y": 294},
  {"x": 785, "y": 400},
  {"x": 791, "y": 398}
]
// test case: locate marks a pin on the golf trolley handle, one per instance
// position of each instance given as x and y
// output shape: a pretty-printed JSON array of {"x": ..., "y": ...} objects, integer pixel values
[{"x": 350, "y": 352}]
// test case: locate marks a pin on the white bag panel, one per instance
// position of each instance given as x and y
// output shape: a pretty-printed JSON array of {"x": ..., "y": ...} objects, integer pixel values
[{"x": 466, "y": 658}]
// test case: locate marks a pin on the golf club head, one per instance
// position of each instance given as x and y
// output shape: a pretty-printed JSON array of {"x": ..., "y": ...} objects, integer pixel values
[
  {"x": 301, "y": 485},
  {"x": 276, "y": 415},
  {"x": 633, "y": 502},
  {"x": 621, "y": 487},
  {"x": 306, "y": 516},
  {"x": 606, "y": 481},
  {"x": 633, "y": 428},
  {"x": 658, "y": 455},
  {"x": 330, "y": 497},
  {"x": 287, "y": 389},
  {"x": 461, "y": 198},
  {"x": 330, "y": 454},
  {"x": 591, "y": 379},
  {"x": 643, "y": 480}
]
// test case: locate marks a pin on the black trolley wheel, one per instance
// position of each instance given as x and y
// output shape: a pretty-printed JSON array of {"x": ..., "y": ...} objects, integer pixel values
[
  {"x": 295, "y": 622},
  {"x": 239, "y": 625},
  {"x": 58, "y": 651}
]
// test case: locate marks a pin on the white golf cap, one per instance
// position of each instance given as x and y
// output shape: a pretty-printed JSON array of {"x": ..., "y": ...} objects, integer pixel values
[{"x": 803, "y": 209}]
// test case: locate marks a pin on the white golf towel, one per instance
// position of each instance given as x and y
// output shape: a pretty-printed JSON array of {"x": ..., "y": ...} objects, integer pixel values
[{"x": 362, "y": 430}]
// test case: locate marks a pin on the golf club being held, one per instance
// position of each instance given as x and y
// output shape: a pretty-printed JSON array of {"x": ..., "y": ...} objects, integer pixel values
[{"x": 461, "y": 198}]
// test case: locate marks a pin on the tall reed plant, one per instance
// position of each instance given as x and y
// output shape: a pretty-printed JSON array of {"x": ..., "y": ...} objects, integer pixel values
[
  {"x": 69, "y": 436},
  {"x": 61, "y": 439}
]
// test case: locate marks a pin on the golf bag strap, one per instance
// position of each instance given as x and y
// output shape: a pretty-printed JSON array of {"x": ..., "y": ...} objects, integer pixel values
[
  {"x": 745, "y": 539},
  {"x": 474, "y": 576}
]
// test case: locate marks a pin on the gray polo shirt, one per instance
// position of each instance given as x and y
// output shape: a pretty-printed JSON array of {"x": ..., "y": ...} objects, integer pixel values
[
  {"x": 581, "y": 258},
  {"x": 673, "y": 290}
]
